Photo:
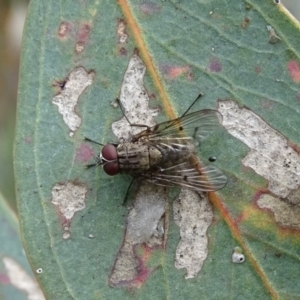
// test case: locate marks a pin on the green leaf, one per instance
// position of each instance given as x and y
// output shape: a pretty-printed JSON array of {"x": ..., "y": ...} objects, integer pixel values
[
  {"x": 16, "y": 278},
  {"x": 243, "y": 55}
]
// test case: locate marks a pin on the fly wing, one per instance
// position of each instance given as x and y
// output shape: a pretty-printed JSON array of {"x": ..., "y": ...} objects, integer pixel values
[
  {"x": 198, "y": 124},
  {"x": 197, "y": 178}
]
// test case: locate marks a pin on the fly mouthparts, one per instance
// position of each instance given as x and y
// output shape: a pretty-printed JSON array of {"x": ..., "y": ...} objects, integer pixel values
[{"x": 98, "y": 162}]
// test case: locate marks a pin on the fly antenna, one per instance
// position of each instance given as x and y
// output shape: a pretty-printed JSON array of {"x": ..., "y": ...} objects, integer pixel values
[
  {"x": 92, "y": 141},
  {"x": 199, "y": 96},
  {"x": 90, "y": 166},
  {"x": 127, "y": 192}
]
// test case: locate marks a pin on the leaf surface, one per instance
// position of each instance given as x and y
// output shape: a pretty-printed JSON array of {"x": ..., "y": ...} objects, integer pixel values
[{"x": 78, "y": 53}]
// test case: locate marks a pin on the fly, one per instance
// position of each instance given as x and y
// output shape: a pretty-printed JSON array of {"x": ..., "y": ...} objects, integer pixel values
[{"x": 165, "y": 154}]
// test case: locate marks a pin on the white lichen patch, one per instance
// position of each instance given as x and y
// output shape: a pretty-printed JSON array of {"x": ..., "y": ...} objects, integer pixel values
[
  {"x": 193, "y": 214},
  {"x": 69, "y": 198},
  {"x": 39, "y": 271},
  {"x": 67, "y": 99},
  {"x": 237, "y": 256},
  {"x": 121, "y": 31},
  {"x": 273, "y": 37},
  {"x": 144, "y": 218},
  {"x": 21, "y": 280},
  {"x": 144, "y": 225},
  {"x": 270, "y": 155},
  {"x": 285, "y": 214},
  {"x": 134, "y": 100}
]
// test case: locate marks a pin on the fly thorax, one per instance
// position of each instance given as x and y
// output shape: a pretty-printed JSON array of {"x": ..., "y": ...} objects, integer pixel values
[{"x": 136, "y": 157}]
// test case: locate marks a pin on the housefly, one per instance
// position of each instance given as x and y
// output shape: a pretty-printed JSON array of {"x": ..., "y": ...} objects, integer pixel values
[{"x": 165, "y": 154}]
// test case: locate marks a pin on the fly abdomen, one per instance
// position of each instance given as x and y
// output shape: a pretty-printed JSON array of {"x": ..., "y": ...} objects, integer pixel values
[{"x": 174, "y": 150}]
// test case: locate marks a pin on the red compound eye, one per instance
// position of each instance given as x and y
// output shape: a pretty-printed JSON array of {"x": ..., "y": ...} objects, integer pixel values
[
  {"x": 109, "y": 153},
  {"x": 111, "y": 168}
]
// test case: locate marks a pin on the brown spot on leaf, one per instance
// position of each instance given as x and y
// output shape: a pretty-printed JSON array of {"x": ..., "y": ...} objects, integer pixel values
[
  {"x": 123, "y": 51},
  {"x": 245, "y": 23},
  {"x": 60, "y": 85},
  {"x": 121, "y": 31},
  {"x": 266, "y": 103},
  {"x": 64, "y": 29},
  {"x": 257, "y": 69}
]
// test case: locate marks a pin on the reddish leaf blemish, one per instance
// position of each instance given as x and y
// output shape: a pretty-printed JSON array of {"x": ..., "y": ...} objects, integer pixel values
[
  {"x": 84, "y": 153},
  {"x": 82, "y": 37},
  {"x": 258, "y": 194},
  {"x": 215, "y": 65},
  {"x": 142, "y": 254},
  {"x": 149, "y": 8},
  {"x": 63, "y": 220},
  {"x": 239, "y": 219},
  {"x": 175, "y": 71},
  {"x": 294, "y": 146},
  {"x": 294, "y": 70},
  {"x": 64, "y": 30},
  {"x": 142, "y": 277},
  {"x": 298, "y": 96},
  {"x": 143, "y": 271},
  {"x": 4, "y": 279},
  {"x": 83, "y": 33},
  {"x": 28, "y": 139}
]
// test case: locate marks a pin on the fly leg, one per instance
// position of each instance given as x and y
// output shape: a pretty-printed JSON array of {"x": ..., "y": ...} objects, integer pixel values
[
  {"x": 127, "y": 192},
  {"x": 92, "y": 141},
  {"x": 136, "y": 125}
]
